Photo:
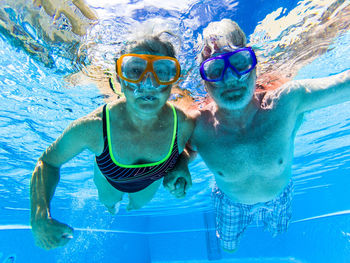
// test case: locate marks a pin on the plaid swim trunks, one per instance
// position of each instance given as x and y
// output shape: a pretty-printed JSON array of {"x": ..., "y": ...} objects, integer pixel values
[{"x": 232, "y": 218}]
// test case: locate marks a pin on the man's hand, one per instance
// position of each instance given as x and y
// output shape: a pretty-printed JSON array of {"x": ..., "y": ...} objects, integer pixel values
[{"x": 49, "y": 233}]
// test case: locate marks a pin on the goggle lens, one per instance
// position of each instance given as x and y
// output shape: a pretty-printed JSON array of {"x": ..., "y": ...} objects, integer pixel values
[
  {"x": 213, "y": 69},
  {"x": 165, "y": 69},
  {"x": 242, "y": 61},
  {"x": 133, "y": 67}
]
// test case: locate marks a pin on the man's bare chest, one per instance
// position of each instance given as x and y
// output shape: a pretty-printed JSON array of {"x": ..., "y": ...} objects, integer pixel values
[{"x": 267, "y": 148}]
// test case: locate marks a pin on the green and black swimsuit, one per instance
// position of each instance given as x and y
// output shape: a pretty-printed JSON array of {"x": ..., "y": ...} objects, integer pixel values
[{"x": 135, "y": 177}]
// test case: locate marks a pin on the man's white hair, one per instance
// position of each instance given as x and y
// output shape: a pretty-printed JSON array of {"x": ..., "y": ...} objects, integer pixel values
[{"x": 222, "y": 34}]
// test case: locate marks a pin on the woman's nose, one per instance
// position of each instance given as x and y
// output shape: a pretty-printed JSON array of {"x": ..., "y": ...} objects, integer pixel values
[{"x": 149, "y": 81}]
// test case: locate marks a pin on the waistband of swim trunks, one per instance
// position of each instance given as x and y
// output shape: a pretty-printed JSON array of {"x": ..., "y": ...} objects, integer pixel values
[{"x": 287, "y": 190}]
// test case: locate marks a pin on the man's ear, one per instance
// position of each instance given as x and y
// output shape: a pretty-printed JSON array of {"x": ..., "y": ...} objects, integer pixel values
[{"x": 206, "y": 85}]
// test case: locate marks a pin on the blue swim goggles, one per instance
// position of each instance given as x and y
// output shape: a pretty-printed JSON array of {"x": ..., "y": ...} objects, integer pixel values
[{"x": 241, "y": 61}]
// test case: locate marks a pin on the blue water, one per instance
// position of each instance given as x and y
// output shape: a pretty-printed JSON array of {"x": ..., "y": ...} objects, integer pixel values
[{"x": 37, "y": 104}]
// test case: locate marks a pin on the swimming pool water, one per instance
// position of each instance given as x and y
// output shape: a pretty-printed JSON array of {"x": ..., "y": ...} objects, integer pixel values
[{"x": 37, "y": 104}]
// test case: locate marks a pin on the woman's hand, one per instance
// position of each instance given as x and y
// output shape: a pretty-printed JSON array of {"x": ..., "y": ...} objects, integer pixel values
[{"x": 50, "y": 233}]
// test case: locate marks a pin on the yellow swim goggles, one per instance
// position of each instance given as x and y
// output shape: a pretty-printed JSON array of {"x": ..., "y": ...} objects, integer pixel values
[{"x": 133, "y": 67}]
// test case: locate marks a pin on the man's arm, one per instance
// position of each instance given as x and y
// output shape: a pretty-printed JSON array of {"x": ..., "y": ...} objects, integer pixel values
[
  {"x": 312, "y": 94},
  {"x": 48, "y": 232}
]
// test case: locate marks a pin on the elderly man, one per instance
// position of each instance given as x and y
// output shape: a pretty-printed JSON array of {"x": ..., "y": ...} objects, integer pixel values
[{"x": 247, "y": 138}]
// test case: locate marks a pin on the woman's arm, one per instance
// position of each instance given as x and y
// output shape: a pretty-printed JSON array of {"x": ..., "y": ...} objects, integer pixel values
[
  {"x": 178, "y": 180},
  {"x": 81, "y": 134}
]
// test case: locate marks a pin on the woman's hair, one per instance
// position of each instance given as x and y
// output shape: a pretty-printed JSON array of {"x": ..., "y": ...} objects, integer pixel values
[{"x": 152, "y": 44}]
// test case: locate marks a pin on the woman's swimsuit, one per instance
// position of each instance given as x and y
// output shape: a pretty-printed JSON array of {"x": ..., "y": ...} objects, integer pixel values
[{"x": 135, "y": 177}]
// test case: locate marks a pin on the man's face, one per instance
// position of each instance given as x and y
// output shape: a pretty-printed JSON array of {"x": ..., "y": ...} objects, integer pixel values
[{"x": 233, "y": 91}]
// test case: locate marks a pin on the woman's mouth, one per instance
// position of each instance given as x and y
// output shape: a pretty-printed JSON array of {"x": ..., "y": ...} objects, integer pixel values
[{"x": 148, "y": 98}]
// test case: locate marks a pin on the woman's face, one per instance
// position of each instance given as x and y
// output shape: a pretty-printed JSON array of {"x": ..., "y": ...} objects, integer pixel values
[{"x": 146, "y": 96}]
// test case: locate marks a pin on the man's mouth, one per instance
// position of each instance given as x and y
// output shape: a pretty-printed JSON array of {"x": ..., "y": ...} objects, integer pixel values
[{"x": 233, "y": 90}]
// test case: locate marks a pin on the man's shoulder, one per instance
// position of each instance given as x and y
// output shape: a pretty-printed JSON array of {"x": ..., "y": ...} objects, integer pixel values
[
  {"x": 206, "y": 110},
  {"x": 186, "y": 121},
  {"x": 204, "y": 120},
  {"x": 282, "y": 96}
]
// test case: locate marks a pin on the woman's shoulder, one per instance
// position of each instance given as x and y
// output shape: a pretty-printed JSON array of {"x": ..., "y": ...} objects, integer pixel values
[
  {"x": 90, "y": 127},
  {"x": 116, "y": 106},
  {"x": 92, "y": 118},
  {"x": 96, "y": 116},
  {"x": 92, "y": 123},
  {"x": 87, "y": 127}
]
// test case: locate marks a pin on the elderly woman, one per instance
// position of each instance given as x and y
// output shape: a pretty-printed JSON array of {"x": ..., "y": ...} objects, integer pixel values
[{"x": 136, "y": 140}]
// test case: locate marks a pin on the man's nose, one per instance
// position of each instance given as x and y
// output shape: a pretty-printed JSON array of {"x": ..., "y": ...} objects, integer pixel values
[{"x": 231, "y": 73}]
